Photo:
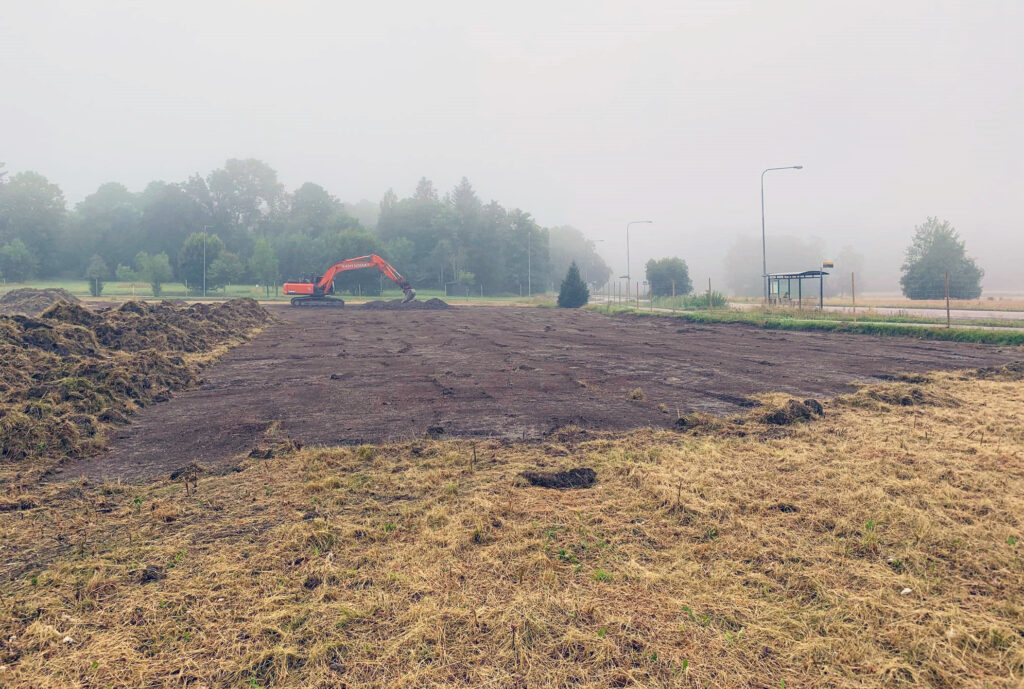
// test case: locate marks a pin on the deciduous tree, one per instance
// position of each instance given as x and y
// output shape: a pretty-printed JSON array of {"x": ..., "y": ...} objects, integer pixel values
[
  {"x": 96, "y": 272},
  {"x": 263, "y": 265},
  {"x": 156, "y": 270},
  {"x": 935, "y": 250},
  {"x": 191, "y": 263},
  {"x": 17, "y": 262},
  {"x": 32, "y": 209},
  {"x": 667, "y": 276}
]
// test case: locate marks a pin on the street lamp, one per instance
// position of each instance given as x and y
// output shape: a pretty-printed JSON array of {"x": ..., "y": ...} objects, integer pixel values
[
  {"x": 205, "y": 228},
  {"x": 586, "y": 269},
  {"x": 764, "y": 246},
  {"x": 529, "y": 262},
  {"x": 632, "y": 222}
]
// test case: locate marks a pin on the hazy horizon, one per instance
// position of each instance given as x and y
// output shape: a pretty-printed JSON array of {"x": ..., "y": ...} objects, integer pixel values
[{"x": 582, "y": 114}]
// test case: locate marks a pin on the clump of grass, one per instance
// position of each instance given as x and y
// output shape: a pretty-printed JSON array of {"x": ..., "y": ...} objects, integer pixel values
[
  {"x": 637, "y": 394},
  {"x": 693, "y": 302}
]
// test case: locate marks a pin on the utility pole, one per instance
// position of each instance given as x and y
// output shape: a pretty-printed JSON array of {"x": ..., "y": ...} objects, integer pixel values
[
  {"x": 947, "y": 299},
  {"x": 853, "y": 295}
]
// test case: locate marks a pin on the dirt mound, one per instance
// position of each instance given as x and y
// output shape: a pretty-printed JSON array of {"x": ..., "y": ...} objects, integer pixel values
[
  {"x": 1009, "y": 372},
  {"x": 67, "y": 374},
  {"x": 32, "y": 302},
  {"x": 580, "y": 477},
  {"x": 396, "y": 304},
  {"x": 794, "y": 412}
]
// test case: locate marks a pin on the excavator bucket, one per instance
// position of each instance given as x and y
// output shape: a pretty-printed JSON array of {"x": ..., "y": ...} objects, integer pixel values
[{"x": 410, "y": 294}]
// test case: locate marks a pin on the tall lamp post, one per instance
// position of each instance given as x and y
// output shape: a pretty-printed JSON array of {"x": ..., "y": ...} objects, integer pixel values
[
  {"x": 586, "y": 269},
  {"x": 764, "y": 245},
  {"x": 205, "y": 228},
  {"x": 529, "y": 262},
  {"x": 632, "y": 222}
]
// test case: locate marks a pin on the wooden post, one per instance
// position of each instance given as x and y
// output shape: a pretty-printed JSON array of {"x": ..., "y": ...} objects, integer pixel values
[
  {"x": 947, "y": 298},
  {"x": 853, "y": 295},
  {"x": 673, "y": 296},
  {"x": 709, "y": 295}
]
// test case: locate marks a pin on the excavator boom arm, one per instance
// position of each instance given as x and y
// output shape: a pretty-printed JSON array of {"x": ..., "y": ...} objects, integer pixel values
[
  {"x": 371, "y": 261},
  {"x": 317, "y": 290}
]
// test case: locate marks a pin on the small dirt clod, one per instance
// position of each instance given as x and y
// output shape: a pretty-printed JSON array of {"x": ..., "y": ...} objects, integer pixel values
[{"x": 152, "y": 573}]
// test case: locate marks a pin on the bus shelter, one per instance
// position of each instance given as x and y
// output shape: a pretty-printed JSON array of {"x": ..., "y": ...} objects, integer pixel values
[{"x": 787, "y": 289}]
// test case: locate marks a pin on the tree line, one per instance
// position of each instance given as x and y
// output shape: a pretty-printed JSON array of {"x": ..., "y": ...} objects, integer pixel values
[{"x": 243, "y": 226}]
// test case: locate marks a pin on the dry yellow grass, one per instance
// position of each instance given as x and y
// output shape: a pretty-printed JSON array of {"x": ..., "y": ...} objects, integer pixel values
[{"x": 879, "y": 546}]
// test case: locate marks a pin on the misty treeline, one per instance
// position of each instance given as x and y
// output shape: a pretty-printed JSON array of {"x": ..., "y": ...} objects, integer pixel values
[
  {"x": 251, "y": 230},
  {"x": 742, "y": 264},
  {"x": 935, "y": 251}
]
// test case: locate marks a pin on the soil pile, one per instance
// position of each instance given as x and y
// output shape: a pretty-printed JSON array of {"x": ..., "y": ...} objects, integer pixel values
[
  {"x": 396, "y": 304},
  {"x": 69, "y": 372},
  {"x": 166, "y": 326},
  {"x": 795, "y": 411},
  {"x": 32, "y": 302}
]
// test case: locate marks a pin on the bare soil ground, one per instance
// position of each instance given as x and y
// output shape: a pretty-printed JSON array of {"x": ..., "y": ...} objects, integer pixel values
[{"x": 351, "y": 376}]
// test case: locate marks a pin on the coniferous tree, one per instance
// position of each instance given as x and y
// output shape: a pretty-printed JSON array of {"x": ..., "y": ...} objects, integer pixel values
[{"x": 574, "y": 292}]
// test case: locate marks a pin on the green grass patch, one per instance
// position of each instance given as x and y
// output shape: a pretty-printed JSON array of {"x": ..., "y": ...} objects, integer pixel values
[{"x": 782, "y": 322}]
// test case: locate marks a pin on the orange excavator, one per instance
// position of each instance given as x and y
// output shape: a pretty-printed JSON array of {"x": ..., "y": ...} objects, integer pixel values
[{"x": 317, "y": 291}]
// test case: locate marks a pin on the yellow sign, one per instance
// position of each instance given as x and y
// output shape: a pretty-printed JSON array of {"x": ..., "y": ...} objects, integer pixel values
[{"x": 828, "y": 264}]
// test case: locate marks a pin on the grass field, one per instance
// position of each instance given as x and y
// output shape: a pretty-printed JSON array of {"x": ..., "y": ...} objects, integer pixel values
[
  {"x": 872, "y": 316},
  {"x": 776, "y": 319},
  {"x": 993, "y": 303},
  {"x": 119, "y": 291},
  {"x": 984, "y": 304},
  {"x": 879, "y": 546}
]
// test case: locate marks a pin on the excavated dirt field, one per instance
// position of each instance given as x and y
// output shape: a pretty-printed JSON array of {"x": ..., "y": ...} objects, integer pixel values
[{"x": 351, "y": 375}]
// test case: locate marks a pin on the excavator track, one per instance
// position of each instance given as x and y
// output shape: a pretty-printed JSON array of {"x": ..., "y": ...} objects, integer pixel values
[{"x": 318, "y": 302}]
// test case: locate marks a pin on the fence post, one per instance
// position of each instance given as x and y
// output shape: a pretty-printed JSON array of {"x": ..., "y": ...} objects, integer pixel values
[
  {"x": 710, "y": 306},
  {"x": 853, "y": 295},
  {"x": 947, "y": 298}
]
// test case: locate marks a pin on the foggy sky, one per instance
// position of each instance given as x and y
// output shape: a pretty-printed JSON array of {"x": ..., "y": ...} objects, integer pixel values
[{"x": 584, "y": 113}]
